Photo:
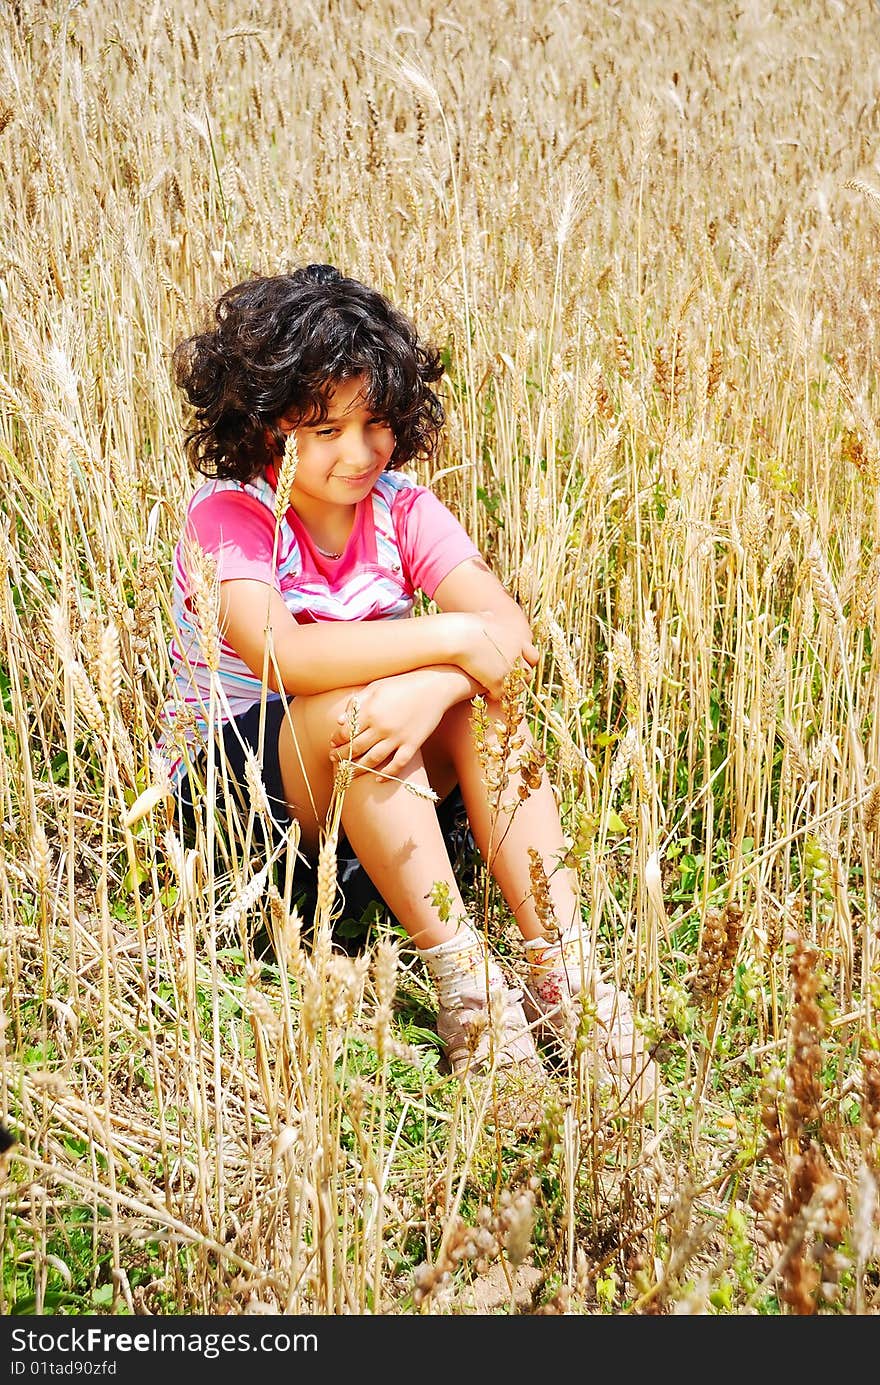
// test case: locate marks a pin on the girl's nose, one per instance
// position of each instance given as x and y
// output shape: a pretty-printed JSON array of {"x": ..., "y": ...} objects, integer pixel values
[{"x": 358, "y": 453}]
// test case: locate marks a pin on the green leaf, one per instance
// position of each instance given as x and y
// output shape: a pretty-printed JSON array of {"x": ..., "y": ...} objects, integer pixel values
[{"x": 134, "y": 877}]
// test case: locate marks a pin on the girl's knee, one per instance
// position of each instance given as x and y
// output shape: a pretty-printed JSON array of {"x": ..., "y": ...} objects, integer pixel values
[
  {"x": 455, "y": 733},
  {"x": 304, "y": 756},
  {"x": 458, "y": 718},
  {"x": 321, "y": 711}
]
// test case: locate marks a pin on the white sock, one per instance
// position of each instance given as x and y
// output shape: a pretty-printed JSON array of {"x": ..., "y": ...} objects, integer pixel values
[
  {"x": 555, "y": 967},
  {"x": 459, "y": 965}
]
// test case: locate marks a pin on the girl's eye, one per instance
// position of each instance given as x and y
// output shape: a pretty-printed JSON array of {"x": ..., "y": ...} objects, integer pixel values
[
  {"x": 326, "y": 432},
  {"x": 378, "y": 423}
]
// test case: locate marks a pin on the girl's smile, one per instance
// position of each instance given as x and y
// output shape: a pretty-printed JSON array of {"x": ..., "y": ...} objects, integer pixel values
[{"x": 340, "y": 460}]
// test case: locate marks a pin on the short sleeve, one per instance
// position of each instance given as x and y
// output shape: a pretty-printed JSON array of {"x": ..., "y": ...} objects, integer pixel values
[
  {"x": 431, "y": 540},
  {"x": 238, "y": 531}
]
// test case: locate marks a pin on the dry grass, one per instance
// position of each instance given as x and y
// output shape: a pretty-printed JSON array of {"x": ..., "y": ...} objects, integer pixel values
[{"x": 646, "y": 235}]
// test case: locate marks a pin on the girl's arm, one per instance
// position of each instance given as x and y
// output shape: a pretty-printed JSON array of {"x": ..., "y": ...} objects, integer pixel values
[
  {"x": 325, "y": 655},
  {"x": 395, "y": 716},
  {"x": 472, "y": 586},
  {"x": 386, "y": 722}
]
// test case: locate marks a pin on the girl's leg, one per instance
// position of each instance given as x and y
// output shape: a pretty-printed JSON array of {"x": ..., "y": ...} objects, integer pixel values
[
  {"x": 560, "y": 967},
  {"x": 397, "y": 838},
  {"x": 504, "y": 837},
  {"x": 394, "y": 833}
]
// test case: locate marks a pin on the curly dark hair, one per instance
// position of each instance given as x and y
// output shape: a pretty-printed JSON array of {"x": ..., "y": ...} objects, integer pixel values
[{"x": 276, "y": 347}]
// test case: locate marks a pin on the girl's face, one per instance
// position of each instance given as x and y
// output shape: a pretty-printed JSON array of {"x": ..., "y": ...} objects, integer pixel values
[{"x": 341, "y": 458}]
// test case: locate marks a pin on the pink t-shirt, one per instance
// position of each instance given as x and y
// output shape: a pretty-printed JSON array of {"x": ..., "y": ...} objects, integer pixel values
[{"x": 403, "y": 540}]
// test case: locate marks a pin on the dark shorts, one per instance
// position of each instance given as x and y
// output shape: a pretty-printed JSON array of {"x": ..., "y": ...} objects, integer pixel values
[
  {"x": 237, "y": 738},
  {"x": 360, "y": 893}
]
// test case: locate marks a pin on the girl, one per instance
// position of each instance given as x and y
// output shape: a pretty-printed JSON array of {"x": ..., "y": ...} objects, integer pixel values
[{"x": 309, "y": 393}]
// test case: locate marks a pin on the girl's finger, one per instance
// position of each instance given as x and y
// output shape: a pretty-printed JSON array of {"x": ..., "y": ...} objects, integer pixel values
[
  {"x": 338, "y": 753},
  {"x": 344, "y": 722},
  {"x": 399, "y": 761},
  {"x": 357, "y": 744},
  {"x": 376, "y": 756},
  {"x": 351, "y": 713}
]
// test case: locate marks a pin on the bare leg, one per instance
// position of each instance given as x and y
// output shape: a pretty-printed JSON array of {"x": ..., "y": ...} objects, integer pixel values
[
  {"x": 558, "y": 972},
  {"x": 395, "y": 834},
  {"x": 397, "y": 838},
  {"x": 504, "y": 836}
]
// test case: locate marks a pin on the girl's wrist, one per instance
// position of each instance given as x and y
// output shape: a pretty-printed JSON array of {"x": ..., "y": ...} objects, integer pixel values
[
  {"x": 461, "y": 630},
  {"x": 450, "y": 683}
]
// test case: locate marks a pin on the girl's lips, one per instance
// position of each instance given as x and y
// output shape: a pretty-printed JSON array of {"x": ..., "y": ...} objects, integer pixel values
[{"x": 356, "y": 480}]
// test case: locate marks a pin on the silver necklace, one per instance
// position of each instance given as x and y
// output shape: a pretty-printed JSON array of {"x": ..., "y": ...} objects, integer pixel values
[{"x": 323, "y": 552}]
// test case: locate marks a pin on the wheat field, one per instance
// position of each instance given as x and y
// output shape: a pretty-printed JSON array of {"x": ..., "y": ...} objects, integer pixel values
[{"x": 645, "y": 236}]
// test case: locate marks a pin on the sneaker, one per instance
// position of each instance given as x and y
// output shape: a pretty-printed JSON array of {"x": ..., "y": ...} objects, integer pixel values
[
  {"x": 634, "y": 1074},
  {"x": 552, "y": 1004},
  {"x": 469, "y": 1036},
  {"x": 484, "y": 1030},
  {"x": 500, "y": 1048}
]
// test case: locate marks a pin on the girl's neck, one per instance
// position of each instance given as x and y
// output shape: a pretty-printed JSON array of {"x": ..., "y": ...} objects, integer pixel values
[{"x": 329, "y": 532}]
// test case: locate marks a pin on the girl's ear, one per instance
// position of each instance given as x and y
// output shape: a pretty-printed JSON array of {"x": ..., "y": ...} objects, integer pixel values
[{"x": 274, "y": 440}]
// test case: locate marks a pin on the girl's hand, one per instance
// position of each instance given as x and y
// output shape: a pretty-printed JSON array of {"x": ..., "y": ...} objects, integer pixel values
[
  {"x": 388, "y": 721},
  {"x": 494, "y": 645},
  {"x": 495, "y": 635}
]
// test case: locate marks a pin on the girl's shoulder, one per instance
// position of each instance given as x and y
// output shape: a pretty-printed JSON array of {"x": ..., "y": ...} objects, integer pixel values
[
  {"x": 395, "y": 493},
  {"x": 392, "y": 484},
  {"x": 257, "y": 489}
]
